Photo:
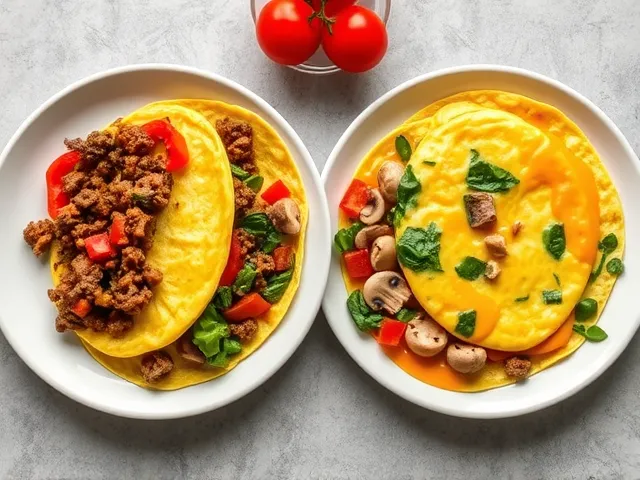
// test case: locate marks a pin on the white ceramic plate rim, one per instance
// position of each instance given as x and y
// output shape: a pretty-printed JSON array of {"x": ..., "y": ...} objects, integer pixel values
[
  {"x": 413, "y": 390},
  {"x": 312, "y": 298}
]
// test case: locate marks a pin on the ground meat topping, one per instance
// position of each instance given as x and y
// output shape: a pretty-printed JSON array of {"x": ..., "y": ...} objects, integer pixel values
[
  {"x": 263, "y": 262},
  {"x": 248, "y": 242},
  {"x": 245, "y": 331},
  {"x": 244, "y": 197},
  {"x": 117, "y": 177},
  {"x": 39, "y": 235},
  {"x": 518, "y": 368},
  {"x": 237, "y": 138},
  {"x": 155, "y": 366}
]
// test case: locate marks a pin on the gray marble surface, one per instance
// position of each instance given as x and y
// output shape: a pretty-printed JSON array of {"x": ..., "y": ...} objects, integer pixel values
[{"x": 321, "y": 416}]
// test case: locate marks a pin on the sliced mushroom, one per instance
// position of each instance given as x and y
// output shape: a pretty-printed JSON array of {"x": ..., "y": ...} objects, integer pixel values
[
  {"x": 425, "y": 337},
  {"x": 389, "y": 177},
  {"x": 496, "y": 245},
  {"x": 492, "y": 270},
  {"x": 516, "y": 227},
  {"x": 374, "y": 210},
  {"x": 285, "y": 216},
  {"x": 517, "y": 368},
  {"x": 481, "y": 211},
  {"x": 187, "y": 350},
  {"x": 465, "y": 358},
  {"x": 386, "y": 290},
  {"x": 367, "y": 235},
  {"x": 383, "y": 253}
]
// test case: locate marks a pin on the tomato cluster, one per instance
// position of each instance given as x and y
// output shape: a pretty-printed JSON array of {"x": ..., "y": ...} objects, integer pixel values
[{"x": 353, "y": 37}]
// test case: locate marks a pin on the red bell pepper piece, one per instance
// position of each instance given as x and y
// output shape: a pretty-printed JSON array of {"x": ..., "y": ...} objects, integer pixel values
[
  {"x": 358, "y": 264},
  {"x": 391, "y": 332},
  {"x": 355, "y": 198},
  {"x": 61, "y": 166},
  {"x": 99, "y": 247},
  {"x": 251, "y": 306},
  {"x": 81, "y": 308},
  {"x": 177, "y": 151},
  {"x": 276, "y": 192},
  {"x": 283, "y": 258},
  {"x": 234, "y": 263},
  {"x": 118, "y": 234}
]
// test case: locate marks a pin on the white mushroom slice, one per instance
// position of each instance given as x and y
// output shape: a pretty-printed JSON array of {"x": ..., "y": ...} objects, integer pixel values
[
  {"x": 383, "y": 254},
  {"x": 187, "y": 350},
  {"x": 465, "y": 358},
  {"x": 492, "y": 270},
  {"x": 389, "y": 177},
  {"x": 374, "y": 210},
  {"x": 425, "y": 337},
  {"x": 367, "y": 235},
  {"x": 285, "y": 216},
  {"x": 386, "y": 290}
]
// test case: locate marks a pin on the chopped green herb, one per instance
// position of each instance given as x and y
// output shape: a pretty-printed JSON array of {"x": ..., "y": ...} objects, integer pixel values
[
  {"x": 229, "y": 347},
  {"x": 244, "y": 281},
  {"x": 254, "y": 182},
  {"x": 403, "y": 147},
  {"x": 364, "y": 318},
  {"x": 594, "y": 333},
  {"x": 557, "y": 279},
  {"x": 551, "y": 297},
  {"x": 223, "y": 298},
  {"x": 615, "y": 267},
  {"x": 554, "y": 240},
  {"x": 586, "y": 309},
  {"x": 466, "y": 323},
  {"x": 522, "y": 299},
  {"x": 429, "y": 162},
  {"x": 209, "y": 331},
  {"x": 486, "y": 177},
  {"x": 408, "y": 191},
  {"x": 239, "y": 173},
  {"x": 607, "y": 246},
  {"x": 277, "y": 286},
  {"x": 345, "y": 238},
  {"x": 419, "y": 249},
  {"x": 260, "y": 225},
  {"x": 405, "y": 315},
  {"x": 471, "y": 268}
]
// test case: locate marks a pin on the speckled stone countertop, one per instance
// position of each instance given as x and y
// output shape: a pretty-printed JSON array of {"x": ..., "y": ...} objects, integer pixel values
[{"x": 321, "y": 416}]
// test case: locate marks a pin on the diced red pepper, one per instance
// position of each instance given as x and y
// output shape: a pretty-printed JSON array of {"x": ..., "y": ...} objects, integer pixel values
[
  {"x": 251, "y": 306},
  {"x": 177, "y": 151},
  {"x": 81, "y": 308},
  {"x": 283, "y": 258},
  {"x": 276, "y": 192},
  {"x": 234, "y": 263},
  {"x": 391, "y": 332},
  {"x": 355, "y": 198},
  {"x": 358, "y": 264},
  {"x": 99, "y": 247},
  {"x": 118, "y": 234},
  {"x": 61, "y": 166}
]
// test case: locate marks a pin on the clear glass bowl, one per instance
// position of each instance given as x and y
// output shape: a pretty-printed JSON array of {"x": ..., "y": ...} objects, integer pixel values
[{"x": 319, "y": 64}]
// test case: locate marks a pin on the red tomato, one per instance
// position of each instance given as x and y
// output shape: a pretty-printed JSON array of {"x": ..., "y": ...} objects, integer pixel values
[
  {"x": 391, "y": 332},
  {"x": 177, "y": 150},
  {"x": 333, "y": 7},
  {"x": 276, "y": 192},
  {"x": 285, "y": 32},
  {"x": 357, "y": 41},
  {"x": 358, "y": 264}
]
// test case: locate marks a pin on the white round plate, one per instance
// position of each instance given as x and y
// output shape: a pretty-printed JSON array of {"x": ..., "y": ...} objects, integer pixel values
[
  {"x": 27, "y": 316},
  {"x": 621, "y": 317}
]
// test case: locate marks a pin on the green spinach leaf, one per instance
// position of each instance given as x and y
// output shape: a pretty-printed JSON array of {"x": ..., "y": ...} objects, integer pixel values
[
  {"x": 554, "y": 240},
  {"x": 471, "y": 268},
  {"x": 466, "y": 323},
  {"x": 260, "y": 225},
  {"x": 594, "y": 333},
  {"x": 244, "y": 281},
  {"x": 403, "y": 147},
  {"x": 487, "y": 177},
  {"x": 405, "y": 315},
  {"x": 419, "y": 249},
  {"x": 364, "y": 318},
  {"x": 277, "y": 286},
  {"x": 223, "y": 298},
  {"x": 345, "y": 238},
  {"x": 254, "y": 182},
  {"x": 408, "y": 192},
  {"x": 239, "y": 173},
  {"x": 209, "y": 331}
]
